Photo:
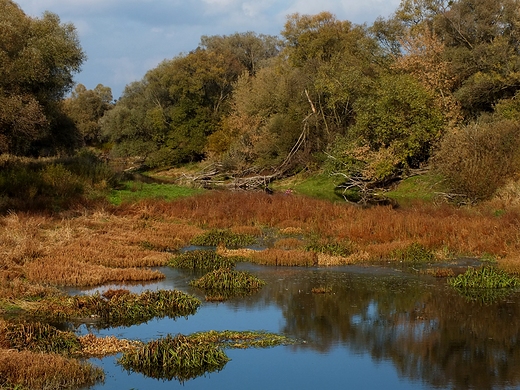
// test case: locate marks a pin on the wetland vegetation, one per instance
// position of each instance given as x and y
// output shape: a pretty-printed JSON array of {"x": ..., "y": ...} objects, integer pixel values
[{"x": 360, "y": 182}]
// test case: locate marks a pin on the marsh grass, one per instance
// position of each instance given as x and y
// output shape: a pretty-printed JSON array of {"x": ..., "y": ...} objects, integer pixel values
[
  {"x": 224, "y": 237},
  {"x": 201, "y": 260},
  {"x": 414, "y": 254},
  {"x": 183, "y": 357},
  {"x": 92, "y": 346},
  {"x": 34, "y": 370},
  {"x": 179, "y": 357},
  {"x": 38, "y": 337},
  {"x": 329, "y": 247},
  {"x": 122, "y": 308},
  {"x": 486, "y": 277},
  {"x": 225, "y": 283}
]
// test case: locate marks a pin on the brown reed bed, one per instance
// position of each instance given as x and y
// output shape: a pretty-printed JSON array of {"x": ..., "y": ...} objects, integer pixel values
[
  {"x": 33, "y": 370},
  {"x": 90, "y": 247},
  {"x": 93, "y": 346},
  {"x": 377, "y": 231}
]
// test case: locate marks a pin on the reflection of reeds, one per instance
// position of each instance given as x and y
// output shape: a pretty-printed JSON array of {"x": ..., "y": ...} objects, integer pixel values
[
  {"x": 122, "y": 308},
  {"x": 176, "y": 357}
]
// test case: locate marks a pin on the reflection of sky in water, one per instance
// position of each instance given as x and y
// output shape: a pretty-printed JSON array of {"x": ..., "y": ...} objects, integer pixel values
[{"x": 371, "y": 333}]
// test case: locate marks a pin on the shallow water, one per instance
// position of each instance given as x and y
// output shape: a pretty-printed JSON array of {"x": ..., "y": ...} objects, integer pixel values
[{"x": 379, "y": 328}]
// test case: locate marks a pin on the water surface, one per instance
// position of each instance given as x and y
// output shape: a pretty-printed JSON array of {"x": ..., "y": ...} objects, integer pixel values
[{"x": 379, "y": 328}]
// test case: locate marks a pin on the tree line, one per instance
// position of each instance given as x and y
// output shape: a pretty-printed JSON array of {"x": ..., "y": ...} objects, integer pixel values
[{"x": 434, "y": 85}]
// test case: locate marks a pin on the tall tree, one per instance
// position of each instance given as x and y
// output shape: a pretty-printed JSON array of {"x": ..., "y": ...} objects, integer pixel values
[
  {"x": 38, "y": 57},
  {"x": 86, "y": 107}
]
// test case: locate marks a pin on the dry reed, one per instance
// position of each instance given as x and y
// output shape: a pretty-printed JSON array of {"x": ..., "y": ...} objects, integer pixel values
[
  {"x": 106, "y": 245},
  {"x": 45, "y": 371}
]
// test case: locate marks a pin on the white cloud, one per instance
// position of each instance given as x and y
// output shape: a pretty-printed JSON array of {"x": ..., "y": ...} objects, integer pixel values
[{"x": 125, "y": 38}]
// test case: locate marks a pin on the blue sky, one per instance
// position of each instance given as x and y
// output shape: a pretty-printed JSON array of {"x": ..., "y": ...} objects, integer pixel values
[{"x": 123, "y": 39}]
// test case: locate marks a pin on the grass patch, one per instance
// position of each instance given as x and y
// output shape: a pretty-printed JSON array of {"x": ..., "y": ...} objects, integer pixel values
[
  {"x": 123, "y": 308},
  {"x": 332, "y": 248},
  {"x": 224, "y": 237},
  {"x": 284, "y": 258},
  {"x": 320, "y": 186},
  {"x": 201, "y": 260},
  {"x": 484, "y": 278},
  {"x": 179, "y": 357},
  {"x": 414, "y": 254},
  {"x": 131, "y": 192},
  {"x": 186, "y": 357},
  {"x": 39, "y": 337},
  {"x": 34, "y": 370},
  {"x": 225, "y": 283},
  {"x": 417, "y": 188}
]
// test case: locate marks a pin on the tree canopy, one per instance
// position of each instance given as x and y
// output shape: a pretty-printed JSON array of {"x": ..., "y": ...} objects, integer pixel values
[{"x": 38, "y": 57}]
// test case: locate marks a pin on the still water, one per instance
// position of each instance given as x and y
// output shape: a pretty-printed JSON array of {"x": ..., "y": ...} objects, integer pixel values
[{"x": 378, "y": 329}]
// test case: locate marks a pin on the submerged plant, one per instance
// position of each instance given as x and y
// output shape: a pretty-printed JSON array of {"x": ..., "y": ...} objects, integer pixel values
[
  {"x": 223, "y": 237},
  {"x": 201, "y": 260}
]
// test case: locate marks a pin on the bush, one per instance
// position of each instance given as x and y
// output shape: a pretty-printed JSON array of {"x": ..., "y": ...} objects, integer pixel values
[{"x": 480, "y": 158}]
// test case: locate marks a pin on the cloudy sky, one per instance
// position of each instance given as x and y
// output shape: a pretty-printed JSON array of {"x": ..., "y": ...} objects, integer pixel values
[{"x": 125, "y": 38}]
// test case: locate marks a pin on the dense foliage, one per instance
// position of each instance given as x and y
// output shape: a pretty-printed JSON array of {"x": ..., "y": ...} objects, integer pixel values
[
  {"x": 38, "y": 58},
  {"x": 370, "y": 104}
]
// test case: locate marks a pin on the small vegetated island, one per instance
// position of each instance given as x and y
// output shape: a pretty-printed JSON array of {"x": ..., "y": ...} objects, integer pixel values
[{"x": 396, "y": 143}]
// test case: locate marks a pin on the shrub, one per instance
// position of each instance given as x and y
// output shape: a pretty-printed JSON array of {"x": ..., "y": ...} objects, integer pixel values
[{"x": 480, "y": 158}]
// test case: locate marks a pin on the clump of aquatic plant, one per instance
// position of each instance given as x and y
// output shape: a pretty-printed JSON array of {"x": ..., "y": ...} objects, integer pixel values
[
  {"x": 332, "y": 248},
  {"x": 245, "y": 339},
  {"x": 485, "y": 277},
  {"x": 486, "y": 284},
  {"x": 35, "y": 370},
  {"x": 438, "y": 272},
  {"x": 201, "y": 260},
  {"x": 123, "y": 308},
  {"x": 322, "y": 290},
  {"x": 228, "y": 280},
  {"x": 224, "y": 237},
  {"x": 38, "y": 337},
  {"x": 180, "y": 357},
  {"x": 415, "y": 253}
]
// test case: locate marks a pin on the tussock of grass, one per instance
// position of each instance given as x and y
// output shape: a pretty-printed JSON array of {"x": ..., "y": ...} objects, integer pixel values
[
  {"x": 226, "y": 238},
  {"x": 183, "y": 357},
  {"x": 123, "y": 308},
  {"x": 413, "y": 254},
  {"x": 178, "y": 357},
  {"x": 32, "y": 370},
  {"x": 225, "y": 279},
  {"x": 38, "y": 337},
  {"x": 484, "y": 278},
  {"x": 92, "y": 346},
  {"x": 201, "y": 260}
]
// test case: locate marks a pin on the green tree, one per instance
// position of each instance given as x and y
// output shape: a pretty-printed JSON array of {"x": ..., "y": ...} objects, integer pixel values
[
  {"x": 38, "y": 57},
  {"x": 167, "y": 117},
  {"x": 86, "y": 107}
]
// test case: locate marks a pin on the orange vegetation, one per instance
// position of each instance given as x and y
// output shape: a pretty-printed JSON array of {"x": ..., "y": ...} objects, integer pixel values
[{"x": 110, "y": 245}]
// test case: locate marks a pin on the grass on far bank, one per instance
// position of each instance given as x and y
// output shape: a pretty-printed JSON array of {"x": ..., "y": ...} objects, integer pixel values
[
  {"x": 319, "y": 186},
  {"x": 131, "y": 191}
]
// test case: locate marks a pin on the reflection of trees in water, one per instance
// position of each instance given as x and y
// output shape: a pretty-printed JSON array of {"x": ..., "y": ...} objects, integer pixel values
[{"x": 428, "y": 332}]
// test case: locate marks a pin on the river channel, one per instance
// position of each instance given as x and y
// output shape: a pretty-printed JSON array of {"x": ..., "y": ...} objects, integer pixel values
[{"x": 378, "y": 328}]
